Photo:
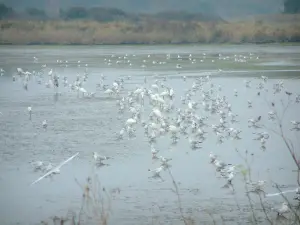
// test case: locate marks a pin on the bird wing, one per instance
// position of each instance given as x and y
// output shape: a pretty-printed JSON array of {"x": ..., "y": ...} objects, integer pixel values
[
  {"x": 280, "y": 193},
  {"x": 54, "y": 169}
]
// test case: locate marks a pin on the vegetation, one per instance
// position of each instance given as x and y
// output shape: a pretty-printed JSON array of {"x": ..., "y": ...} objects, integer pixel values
[
  {"x": 148, "y": 31},
  {"x": 292, "y": 6},
  {"x": 98, "y": 25},
  {"x": 5, "y": 12},
  {"x": 34, "y": 13},
  {"x": 101, "y": 14}
]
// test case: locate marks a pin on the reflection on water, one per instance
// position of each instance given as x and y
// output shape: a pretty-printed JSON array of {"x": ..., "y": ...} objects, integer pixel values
[
  {"x": 55, "y": 97},
  {"x": 85, "y": 125}
]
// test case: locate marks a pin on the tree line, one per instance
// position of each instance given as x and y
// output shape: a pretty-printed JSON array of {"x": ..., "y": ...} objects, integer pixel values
[
  {"x": 100, "y": 14},
  {"x": 113, "y": 14},
  {"x": 292, "y": 6}
]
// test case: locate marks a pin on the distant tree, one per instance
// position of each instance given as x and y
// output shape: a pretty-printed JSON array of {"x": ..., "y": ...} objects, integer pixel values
[
  {"x": 76, "y": 13},
  {"x": 292, "y": 6},
  {"x": 106, "y": 14},
  {"x": 36, "y": 13},
  {"x": 62, "y": 14},
  {"x": 5, "y": 11},
  {"x": 184, "y": 16}
]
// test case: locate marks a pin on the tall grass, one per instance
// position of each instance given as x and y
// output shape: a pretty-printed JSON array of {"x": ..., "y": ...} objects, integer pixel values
[{"x": 150, "y": 31}]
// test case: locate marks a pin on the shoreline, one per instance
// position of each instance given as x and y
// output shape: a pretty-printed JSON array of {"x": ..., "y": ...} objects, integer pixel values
[{"x": 295, "y": 43}]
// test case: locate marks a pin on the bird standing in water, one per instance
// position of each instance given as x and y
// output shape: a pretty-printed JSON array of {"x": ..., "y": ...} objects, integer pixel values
[
  {"x": 45, "y": 125},
  {"x": 29, "y": 111}
]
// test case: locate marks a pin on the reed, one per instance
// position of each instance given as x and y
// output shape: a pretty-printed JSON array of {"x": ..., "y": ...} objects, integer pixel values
[{"x": 150, "y": 31}]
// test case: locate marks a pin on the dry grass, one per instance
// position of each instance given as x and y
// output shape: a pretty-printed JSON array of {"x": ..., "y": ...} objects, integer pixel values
[
  {"x": 148, "y": 32},
  {"x": 95, "y": 208}
]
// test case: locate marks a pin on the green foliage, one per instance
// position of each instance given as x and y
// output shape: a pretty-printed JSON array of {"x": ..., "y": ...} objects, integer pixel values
[
  {"x": 95, "y": 13},
  {"x": 292, "y": 6},
  {"x": 113, "y": 14},
  {"x": 106, "y": 14},
  {"x": 5, "y": 11},
  {"x": 36, "y": 13},
  {"x": 76, "y": 13},
  {"x": 244, "y": 172},
  {"x": 180, "y": 16}
]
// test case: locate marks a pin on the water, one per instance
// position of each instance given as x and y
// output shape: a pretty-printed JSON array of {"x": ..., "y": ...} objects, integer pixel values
[{"x": 87, "y": 125}]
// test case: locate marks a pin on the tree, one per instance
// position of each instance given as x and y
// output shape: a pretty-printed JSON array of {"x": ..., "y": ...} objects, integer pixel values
[
  {"x": 76, "y": 13},
  {"x": 37, "y": 13},
  {"x": 292, "y": 6},
  {"x": 5, "y": 11},
  {"x": 106, "y": 14}
]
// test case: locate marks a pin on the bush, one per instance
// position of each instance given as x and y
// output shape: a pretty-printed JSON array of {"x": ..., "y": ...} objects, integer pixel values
[{"x": 5, "y": 11}]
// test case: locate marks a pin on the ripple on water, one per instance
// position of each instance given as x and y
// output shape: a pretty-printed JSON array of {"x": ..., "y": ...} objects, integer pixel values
[{"x": 83, "y": 125}]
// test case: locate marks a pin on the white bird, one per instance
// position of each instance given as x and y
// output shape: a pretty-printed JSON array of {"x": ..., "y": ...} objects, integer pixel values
[
  {"x": 164, "y": 160},
  {"x": 230, "y": 177},
  {"x": 38, "y": 165},
  {"x": 20, "y": 71},
  {"x": 45, "y": 125},
  {"x": 283, "y": 209},
  {"x": 29, "y": 111},
  {"x": 121, "y": 134},
  {"x": 99, "y": 158},
  {"x": 56, "y": 169},
  {"x": 235, "y": 92},
  {"x": 156, "y": 172},
  {"x": 154, "y": 152},
  {"x": 130, "y": 122},
  {"x": 108, "y": 91},
  {"x": 220, "y": 165},
  {"x": 157, "y": 113},
  {"x": 230, "y": 169},
  {"x": 178, "y": 66},
  {"x": 212, "y": 157},
  {"x": 171, "y": 93}
]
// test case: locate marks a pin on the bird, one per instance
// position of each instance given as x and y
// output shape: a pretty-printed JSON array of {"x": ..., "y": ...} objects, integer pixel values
[
  {"x": 154, "y": 152},
  {"x": 29, "y": 111},
  {"x": 283, "y": 209},
  {"x": 38, "y": 165},
  {"x": 164, "y": 161},
  {"x": 121, "y": 134},
  {"x": 156, "y": 172},
  {"x": 99, "y": 158},
  {"x": 230, "y": 177},
  {"x": 45, "y": 125},
  {"x": 219, "y": 164},
  {"x": 212, "y": 157},
  {"x": 297, "y": 195},
  {"x": 288, "y": 93},
  {"x": 55, "y": 170}
]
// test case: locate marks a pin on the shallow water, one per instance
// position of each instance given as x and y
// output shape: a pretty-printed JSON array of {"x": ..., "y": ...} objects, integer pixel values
[{"x": 88, "y": 125}]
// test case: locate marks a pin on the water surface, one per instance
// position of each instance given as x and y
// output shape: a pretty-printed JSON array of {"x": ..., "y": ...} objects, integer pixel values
[{"x": 87, "y": 125}]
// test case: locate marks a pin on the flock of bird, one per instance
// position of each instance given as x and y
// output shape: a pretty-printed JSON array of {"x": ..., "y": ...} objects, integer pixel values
[{"x": 155, "y": 108}]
